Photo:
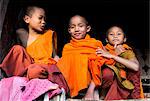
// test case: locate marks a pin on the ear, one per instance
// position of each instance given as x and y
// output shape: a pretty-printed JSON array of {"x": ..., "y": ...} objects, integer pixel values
[
  {"x": 88, "y": 28},
  {"x": 106, "y": 40},
  {"x": 69, "y": 30},
  {"x": 26, "y": 18},
  {"x": 125, "y": 39}
]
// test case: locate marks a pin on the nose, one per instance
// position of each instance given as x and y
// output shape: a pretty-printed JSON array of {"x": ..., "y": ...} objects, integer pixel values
[
  {"x": 43, "y": 21},
  {"x": 115, "y": 36},
  {"x": 76, "y": 29}
]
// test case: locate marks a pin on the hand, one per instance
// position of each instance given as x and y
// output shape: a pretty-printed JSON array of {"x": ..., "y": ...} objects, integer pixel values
[
  {"x": 56, "y": 58},
  {"x": 104, "y": 53},
  {"x": 119, "y": 49},
  {"x": 36, "y": 71}
]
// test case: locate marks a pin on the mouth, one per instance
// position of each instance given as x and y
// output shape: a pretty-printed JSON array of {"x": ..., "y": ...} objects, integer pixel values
[
  {"x": 77, "y": 34},
  {"x": 115, "y": 40},
  {"x": 42, "y": 27}
]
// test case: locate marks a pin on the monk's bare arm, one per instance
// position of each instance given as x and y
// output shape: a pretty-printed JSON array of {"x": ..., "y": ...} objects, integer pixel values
[
  {"x": 54, "y": 45},
  {"x": 23, "y": 36},
  {"x": 129, "y": 63}
]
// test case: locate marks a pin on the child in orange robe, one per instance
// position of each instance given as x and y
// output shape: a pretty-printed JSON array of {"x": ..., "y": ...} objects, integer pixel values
[
  {"x": 121, "y": 80},
  {"x": 34, "y": 59},
  {"x": 75, "y": 56}
]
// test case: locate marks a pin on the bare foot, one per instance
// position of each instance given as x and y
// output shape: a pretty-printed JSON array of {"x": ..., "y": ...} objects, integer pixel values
[
  {"x": 96, "y": 95},
  {"x": 90, "y": 92},
  {"x": 89, "y": 96}
]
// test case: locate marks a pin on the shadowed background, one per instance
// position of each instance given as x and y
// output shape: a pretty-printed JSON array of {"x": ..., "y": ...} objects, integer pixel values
[{"x": 133, "y": 16}]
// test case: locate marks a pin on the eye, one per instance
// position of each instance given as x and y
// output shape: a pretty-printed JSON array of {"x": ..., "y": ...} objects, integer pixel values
[
  {"x": 119, "y": 33},
  {"x": 71, "y": 27},
  {"x": 111, "y": 34},
  {"x": 40, "y": 17},
  {"x": 81, "y": 25}
]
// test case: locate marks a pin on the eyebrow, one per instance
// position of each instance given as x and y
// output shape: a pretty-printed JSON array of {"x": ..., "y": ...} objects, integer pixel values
[
  {"x": 81, "y": 23},
  {"x": 78, "y": 24}
]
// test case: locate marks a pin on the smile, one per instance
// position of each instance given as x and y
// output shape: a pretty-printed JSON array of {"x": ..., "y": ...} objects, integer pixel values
[
  {"x": 115, "y": 40},
  {"x": 77, "y": 34}
]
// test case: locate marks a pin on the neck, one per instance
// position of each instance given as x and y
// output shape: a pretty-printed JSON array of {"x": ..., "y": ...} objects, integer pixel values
[
  {"x": 33, "y": 32},
  {"x": 33, "y": 35}
]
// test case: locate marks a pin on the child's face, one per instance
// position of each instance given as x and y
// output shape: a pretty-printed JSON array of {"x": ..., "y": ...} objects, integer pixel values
[
  {"x": 115, "y": 36},
  {"x": 37, "y": 20},
  {"x": 78, "y": 27}
]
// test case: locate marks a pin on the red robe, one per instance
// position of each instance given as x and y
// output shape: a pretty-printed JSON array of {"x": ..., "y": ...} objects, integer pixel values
[
  {"x": 21, "y": 62},
  {"x": 116, "y": 91}
]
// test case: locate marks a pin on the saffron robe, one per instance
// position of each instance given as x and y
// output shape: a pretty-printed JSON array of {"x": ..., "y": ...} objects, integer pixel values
[
  {"x": 116, "y": 90},
  {"x": 18, "y": 60},
  {"x": 41, "y": 49},
  {"x": 74, "y": 63}
]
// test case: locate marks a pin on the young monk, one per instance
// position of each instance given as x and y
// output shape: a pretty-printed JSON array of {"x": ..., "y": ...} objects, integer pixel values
[
  {"x": 35, "y": 61},
  {"x": 121, "y": 80},
  {"x": 74, "y": 61}
]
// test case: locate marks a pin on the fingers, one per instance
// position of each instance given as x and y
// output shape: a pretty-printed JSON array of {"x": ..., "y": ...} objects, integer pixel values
[
  {"x": 44, "y": 73},
  {"x": 119, "y": 49},
  {"x": 104, "y": 48},
  {"x": 99, "y": 51},
  {"x": 115, "y": 46},
  {"x": 37, "y": 71},
  {"x": 43, "y": 77}
]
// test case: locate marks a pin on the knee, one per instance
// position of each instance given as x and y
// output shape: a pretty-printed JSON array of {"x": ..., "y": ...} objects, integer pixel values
[
  {"x": 17, "y": 48},
  {"x": 107, "y": 75}
]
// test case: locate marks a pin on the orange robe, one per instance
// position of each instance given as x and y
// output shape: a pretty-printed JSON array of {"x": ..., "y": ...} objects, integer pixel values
[
  {"x": 74, "y": 63},
  {"x": 41, "y": 49},
  {"x": 37, "y": 54}
]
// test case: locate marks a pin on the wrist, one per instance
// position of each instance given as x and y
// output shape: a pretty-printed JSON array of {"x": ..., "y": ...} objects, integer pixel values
[
  {"x": 56, "y": 56},
  {"x": 113, "y": 56}
]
